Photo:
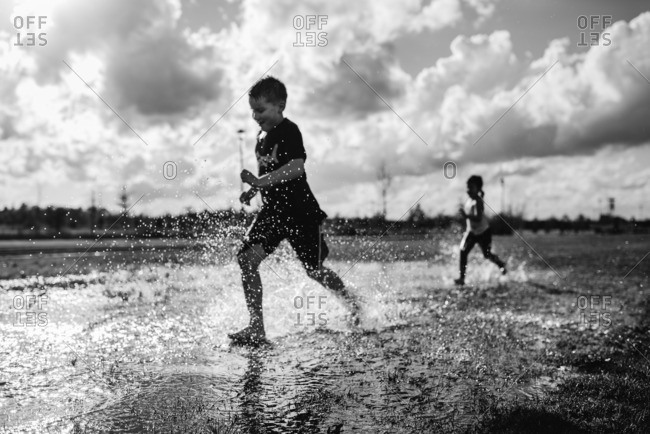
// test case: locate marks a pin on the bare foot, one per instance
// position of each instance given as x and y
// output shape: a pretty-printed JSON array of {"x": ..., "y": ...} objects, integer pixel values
[{"x": 249, "y": 336}]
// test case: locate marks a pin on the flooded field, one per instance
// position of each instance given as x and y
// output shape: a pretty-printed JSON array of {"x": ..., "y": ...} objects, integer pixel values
[{"x": 134, "y": 340}]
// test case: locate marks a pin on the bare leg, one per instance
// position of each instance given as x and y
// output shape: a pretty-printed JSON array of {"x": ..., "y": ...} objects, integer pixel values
[
  {"x": 463, "y": 264},
  {"x": 466, "y": 246},
  {"x": 494, "y": 258},
  {"x": 249, "y": 261},
  {"x": 486, "y": 247},
  {"x": 330, "y": 280}
]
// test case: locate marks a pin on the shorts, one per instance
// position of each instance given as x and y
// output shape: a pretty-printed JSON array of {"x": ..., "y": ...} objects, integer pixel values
[
  {"x": 305, "y": 238},
  {"x": 484, "y": 240}
]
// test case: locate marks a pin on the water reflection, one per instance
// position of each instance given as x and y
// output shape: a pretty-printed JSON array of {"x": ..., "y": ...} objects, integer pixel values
[
  {"x": 275, "y": 396},
  {"x": 253, "y": 413}
]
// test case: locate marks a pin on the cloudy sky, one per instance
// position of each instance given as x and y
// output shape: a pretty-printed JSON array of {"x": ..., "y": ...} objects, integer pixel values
[{"x": 551, "y": 96}]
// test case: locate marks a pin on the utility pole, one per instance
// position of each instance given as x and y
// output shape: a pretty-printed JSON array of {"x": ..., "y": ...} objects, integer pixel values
[
  {"x": 503, "y": 195},
  {"x": 385, "y": 180},
  {"x": 93, "y": 212},
  {"x": 124, "y": 197}
]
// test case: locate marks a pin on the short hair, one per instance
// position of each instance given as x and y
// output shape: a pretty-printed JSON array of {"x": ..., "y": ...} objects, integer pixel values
[{"x": 270, "y": 88}]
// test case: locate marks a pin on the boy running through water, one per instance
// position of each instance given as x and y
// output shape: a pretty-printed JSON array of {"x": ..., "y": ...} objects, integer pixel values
[
  {"x": 289, "y": 209},
  {"x": 478, "y": 228}
]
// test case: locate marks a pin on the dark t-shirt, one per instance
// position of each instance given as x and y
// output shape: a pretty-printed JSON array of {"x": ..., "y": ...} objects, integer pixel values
[{"x": 293, "y": 198}]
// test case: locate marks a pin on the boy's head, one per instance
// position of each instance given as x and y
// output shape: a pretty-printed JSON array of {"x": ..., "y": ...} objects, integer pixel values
[
  {"x": 268, "y": 98},
  {"x": 474, "y": 185}
]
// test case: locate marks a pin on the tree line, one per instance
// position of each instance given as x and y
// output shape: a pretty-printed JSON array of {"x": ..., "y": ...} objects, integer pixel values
[{"x": 60, "y": 222}]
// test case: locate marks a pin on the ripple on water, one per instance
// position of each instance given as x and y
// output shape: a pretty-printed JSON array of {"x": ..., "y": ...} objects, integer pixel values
[{"x": 146, "y": 349}]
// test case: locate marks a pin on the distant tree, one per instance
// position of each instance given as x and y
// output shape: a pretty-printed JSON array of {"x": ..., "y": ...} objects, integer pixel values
[
  {"x": 416, "y": 214},
  {"x": 57, "y": 218},
  {"x": 581, "y": 223},
  {"x": 565, "y": 224},
  {"x": 32, "y": 217},
  {"x": 534, "y": 225}
]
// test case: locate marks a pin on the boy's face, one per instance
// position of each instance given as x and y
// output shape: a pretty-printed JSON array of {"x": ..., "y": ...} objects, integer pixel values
[
  {"x": 472, "y": 191},
  {"x": 266, "y": 114}
]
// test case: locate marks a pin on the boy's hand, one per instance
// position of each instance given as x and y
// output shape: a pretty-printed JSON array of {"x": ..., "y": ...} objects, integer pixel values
[
  {"x": 246, "y": 196},
  {"x": 248, "y": 177},
  {"x": 462, "y": 212}
]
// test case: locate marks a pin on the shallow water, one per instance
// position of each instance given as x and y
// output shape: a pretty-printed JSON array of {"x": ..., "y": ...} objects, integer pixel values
[{"x": 144, "y": 349}]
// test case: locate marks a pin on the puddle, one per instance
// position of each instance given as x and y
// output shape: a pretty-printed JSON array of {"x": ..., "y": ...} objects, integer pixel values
[{"x": 145, "y": 350}]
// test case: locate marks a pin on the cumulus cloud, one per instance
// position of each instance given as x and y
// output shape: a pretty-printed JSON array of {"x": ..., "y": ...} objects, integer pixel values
[
  {"x": 584, "y": 102},
  {"x": 484, "y": 105},
  {"x": 478, "y": 106},
  {"x": 354, "y": 85},
  {"x": 162, "y": 74},
  {"x": 581, "y": 106},
  {"x": 150, "y": 64}
]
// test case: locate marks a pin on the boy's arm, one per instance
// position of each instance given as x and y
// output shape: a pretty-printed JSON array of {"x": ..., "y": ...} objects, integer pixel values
[
  {"x": 292, "y": 170},
  {"x": 479, "y": 212},
  {"x": 246, "y": 196}
]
